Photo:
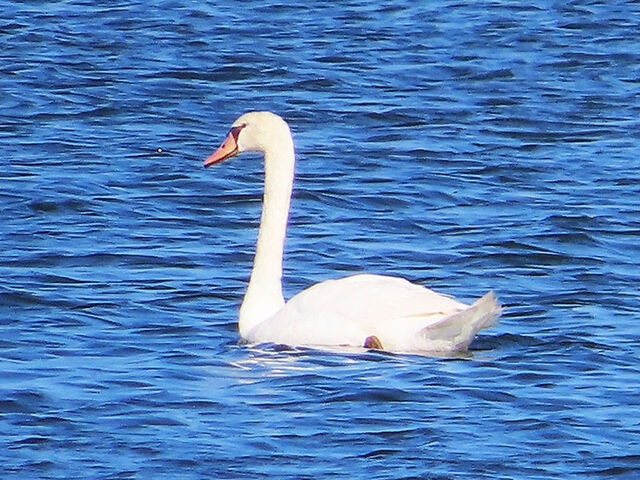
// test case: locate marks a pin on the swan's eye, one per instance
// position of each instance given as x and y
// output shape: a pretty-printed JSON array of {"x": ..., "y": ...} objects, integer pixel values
[{"x": 235, "y": 131}]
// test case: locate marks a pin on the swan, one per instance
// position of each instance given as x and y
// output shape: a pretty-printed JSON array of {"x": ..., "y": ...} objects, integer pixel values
[{"x": 368, "y": 311}]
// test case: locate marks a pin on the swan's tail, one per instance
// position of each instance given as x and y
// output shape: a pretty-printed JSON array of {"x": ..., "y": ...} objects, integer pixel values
[{"x": 458, "y": 330}]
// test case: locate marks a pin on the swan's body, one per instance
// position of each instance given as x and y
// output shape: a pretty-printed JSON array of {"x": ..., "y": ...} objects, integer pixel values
[{"x": 361, "y": 310}]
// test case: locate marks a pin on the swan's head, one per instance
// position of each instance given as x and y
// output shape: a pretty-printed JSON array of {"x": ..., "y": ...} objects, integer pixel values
[{"x": 253, "y": 131}]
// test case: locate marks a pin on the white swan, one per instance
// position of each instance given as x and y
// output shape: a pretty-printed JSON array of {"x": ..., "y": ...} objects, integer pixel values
[{"x": 371, "y": 311}]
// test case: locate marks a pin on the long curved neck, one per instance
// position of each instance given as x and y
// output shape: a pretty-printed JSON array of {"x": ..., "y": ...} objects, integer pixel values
[{"x": 264, "y": 292}]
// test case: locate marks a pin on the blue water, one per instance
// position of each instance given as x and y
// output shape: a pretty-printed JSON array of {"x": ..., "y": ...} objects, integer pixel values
[{"x": 494, "y": 145}]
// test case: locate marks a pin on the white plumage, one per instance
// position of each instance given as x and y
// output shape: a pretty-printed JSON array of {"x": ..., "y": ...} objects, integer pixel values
[{"x": 361, "y": 310}]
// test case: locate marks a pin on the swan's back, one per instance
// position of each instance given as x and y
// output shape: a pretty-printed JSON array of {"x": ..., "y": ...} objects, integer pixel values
[{"x": 347, "y": 311}]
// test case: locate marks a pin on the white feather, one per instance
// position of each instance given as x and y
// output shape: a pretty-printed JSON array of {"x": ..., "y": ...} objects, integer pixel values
[{"x": 404, "y": 317}]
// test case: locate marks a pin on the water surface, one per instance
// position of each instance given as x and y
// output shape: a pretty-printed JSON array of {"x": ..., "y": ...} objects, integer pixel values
[{"x": 466, "y": 147}]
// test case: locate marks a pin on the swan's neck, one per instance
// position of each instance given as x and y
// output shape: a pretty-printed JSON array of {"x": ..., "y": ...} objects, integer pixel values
[{"x": 264, "y": 292}]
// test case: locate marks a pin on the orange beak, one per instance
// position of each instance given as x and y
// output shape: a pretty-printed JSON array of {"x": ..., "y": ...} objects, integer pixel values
[{"x": 228, "y": 149}]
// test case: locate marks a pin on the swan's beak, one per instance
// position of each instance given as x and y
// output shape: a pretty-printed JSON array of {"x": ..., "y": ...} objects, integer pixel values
[{"x": 228, "y": 149}]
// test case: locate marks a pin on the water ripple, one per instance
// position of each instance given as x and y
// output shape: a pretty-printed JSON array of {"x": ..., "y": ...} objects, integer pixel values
[{"x": 463, "y": 146}]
